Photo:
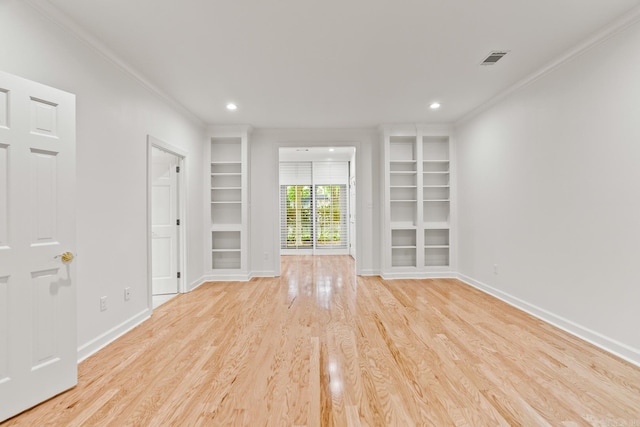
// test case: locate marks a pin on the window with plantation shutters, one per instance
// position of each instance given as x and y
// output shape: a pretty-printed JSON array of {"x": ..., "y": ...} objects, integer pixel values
[
  {"x": 314, "y": 207},
  {"x": 296, "y": 206},
  {"x": 330, "y": 182}
]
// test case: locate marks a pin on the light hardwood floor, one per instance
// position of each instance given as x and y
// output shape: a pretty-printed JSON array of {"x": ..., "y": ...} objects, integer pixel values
[{"x": 319, "y": 346}]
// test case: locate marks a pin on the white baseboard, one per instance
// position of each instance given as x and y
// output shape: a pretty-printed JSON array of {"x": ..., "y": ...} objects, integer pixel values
[
  {"x": 420, "y": 275},
  {"x": 111, "y": 335},
  {"x": 368, "y": 273},
  {"x": 630, "y": 354},
  {"x": 197, "y": 283},
  {"x": 226, "y": 277},
  {"x": 270, "y": 273}
]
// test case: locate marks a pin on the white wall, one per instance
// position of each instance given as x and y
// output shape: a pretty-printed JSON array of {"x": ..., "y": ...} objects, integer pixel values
[
  {"x": 114, "y": 115},
  {"x": 265, "y": 227},
  {"x": 549, "y": 190}
]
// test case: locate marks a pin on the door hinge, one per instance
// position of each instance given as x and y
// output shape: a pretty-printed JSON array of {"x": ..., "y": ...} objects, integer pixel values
[
  {"x": 177, "y": 222},
  {"x": 178, "y": 274},
  {"x": 177, "y": 169}
]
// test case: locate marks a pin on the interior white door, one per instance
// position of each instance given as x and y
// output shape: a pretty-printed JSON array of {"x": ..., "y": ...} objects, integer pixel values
[
  {"x": 38, "y": 348},
  {"x": 164, "y": 217}
]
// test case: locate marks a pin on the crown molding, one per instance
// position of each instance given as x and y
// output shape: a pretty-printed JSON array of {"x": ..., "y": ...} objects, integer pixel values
[
  {"x": 53, "y": 14},
  {"x": 619, "y": 25}
]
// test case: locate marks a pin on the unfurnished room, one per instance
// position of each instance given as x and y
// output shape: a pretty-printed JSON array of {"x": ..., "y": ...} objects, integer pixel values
[{"x": 305, "y": 213}]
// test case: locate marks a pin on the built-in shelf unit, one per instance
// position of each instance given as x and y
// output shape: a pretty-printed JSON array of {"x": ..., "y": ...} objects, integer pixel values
[
  {"x": 417, "y": 201},
  {"x": 228, "y": 198}
]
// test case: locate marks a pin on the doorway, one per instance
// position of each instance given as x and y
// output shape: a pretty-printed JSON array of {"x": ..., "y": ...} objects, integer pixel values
[
  {"x": 166, "y": 241},
  {"x": 317, "y": 194}
]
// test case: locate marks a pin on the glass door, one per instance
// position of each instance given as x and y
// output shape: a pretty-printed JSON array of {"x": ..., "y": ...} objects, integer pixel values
[
  {"x": 314, "y": 208},
  {"x": 331, "y": 216},
  {"x": 297, "y": 217}
]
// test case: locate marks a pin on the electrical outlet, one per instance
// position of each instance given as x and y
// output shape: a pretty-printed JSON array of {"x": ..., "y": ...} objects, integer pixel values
[
  {"x": 127, "y": 293},
  {"x": 266, "y": 256},
  {"x": 495, "y": 268},
  {"x": 103, "y": 303}
]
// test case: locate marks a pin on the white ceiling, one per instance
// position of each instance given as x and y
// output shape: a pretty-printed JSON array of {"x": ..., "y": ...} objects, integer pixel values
[{"x": 336, "y": 63}]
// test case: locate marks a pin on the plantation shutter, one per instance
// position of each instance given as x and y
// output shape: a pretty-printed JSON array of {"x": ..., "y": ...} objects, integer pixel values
[
  {"x": 331, "y": 181},
  {"x": 296, "y": 205}
]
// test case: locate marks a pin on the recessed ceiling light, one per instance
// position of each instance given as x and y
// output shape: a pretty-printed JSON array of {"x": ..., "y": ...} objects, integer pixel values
[
  {"x": 434, "y": 105},
  {"x": 332, "y": 149},
  {"x": 231, "y": 106}
]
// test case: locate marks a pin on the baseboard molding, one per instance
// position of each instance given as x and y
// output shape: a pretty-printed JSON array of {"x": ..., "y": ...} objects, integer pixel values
[
  {"x": 368, "y": 273},
  {"x": 630, "y": 354},
  {"x": 263, "y": 274},
  {"x": 420, "y": 275},
  {"x": 111, "y": 335},
  {"x": 195, "y": 284},
  {"x": 227, "y": 277}
]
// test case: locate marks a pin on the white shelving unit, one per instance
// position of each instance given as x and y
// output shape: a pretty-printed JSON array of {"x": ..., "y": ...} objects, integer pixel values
[
  {"x": 436, "y": 188},
  {"x": 228, "y": 198},
  {"x": 417, "y": 202}
]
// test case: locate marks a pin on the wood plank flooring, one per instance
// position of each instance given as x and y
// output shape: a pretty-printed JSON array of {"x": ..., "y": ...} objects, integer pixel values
[{"x": 319, "y": 346}]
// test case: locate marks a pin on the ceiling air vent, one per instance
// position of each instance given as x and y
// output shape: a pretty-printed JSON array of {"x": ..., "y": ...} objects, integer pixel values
[{"x": 494, "y": 57}]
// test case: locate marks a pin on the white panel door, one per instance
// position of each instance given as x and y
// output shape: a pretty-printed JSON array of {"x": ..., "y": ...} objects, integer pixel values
[
  {"x": 164, "y": 229},
  {"x": 38, "y": 348}
]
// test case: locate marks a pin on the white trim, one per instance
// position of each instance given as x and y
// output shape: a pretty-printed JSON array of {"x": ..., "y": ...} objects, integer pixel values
[
  {"x": 628, "y": 353},
  {"x": 182, "y": 213},
  {"x": 262, "y": 274},
  {"x": 111, "y": 335},
  {"x": 617, "y": 26},
  {"x": 63, "y": 21},
  {"x": 196, "y": 284},
  {"x": 227, "y": 277},
  {"x": 368, "y": 273},
  {"x": 419, "y": 275}
]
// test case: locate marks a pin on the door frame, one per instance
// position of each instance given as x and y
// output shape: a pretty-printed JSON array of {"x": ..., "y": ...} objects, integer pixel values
[
  {"x": 181, "y": 184},
  {"x": 277, "y": 223}
]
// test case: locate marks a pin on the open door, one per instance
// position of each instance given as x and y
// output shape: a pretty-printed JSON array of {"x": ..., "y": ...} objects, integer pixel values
[
  {"x": 38, "y": 348},
  {"x": 164, "y": 222}
]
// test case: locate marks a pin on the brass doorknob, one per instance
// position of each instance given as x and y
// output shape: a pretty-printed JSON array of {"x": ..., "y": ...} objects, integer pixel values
[{"x": 67, "y": 257}]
